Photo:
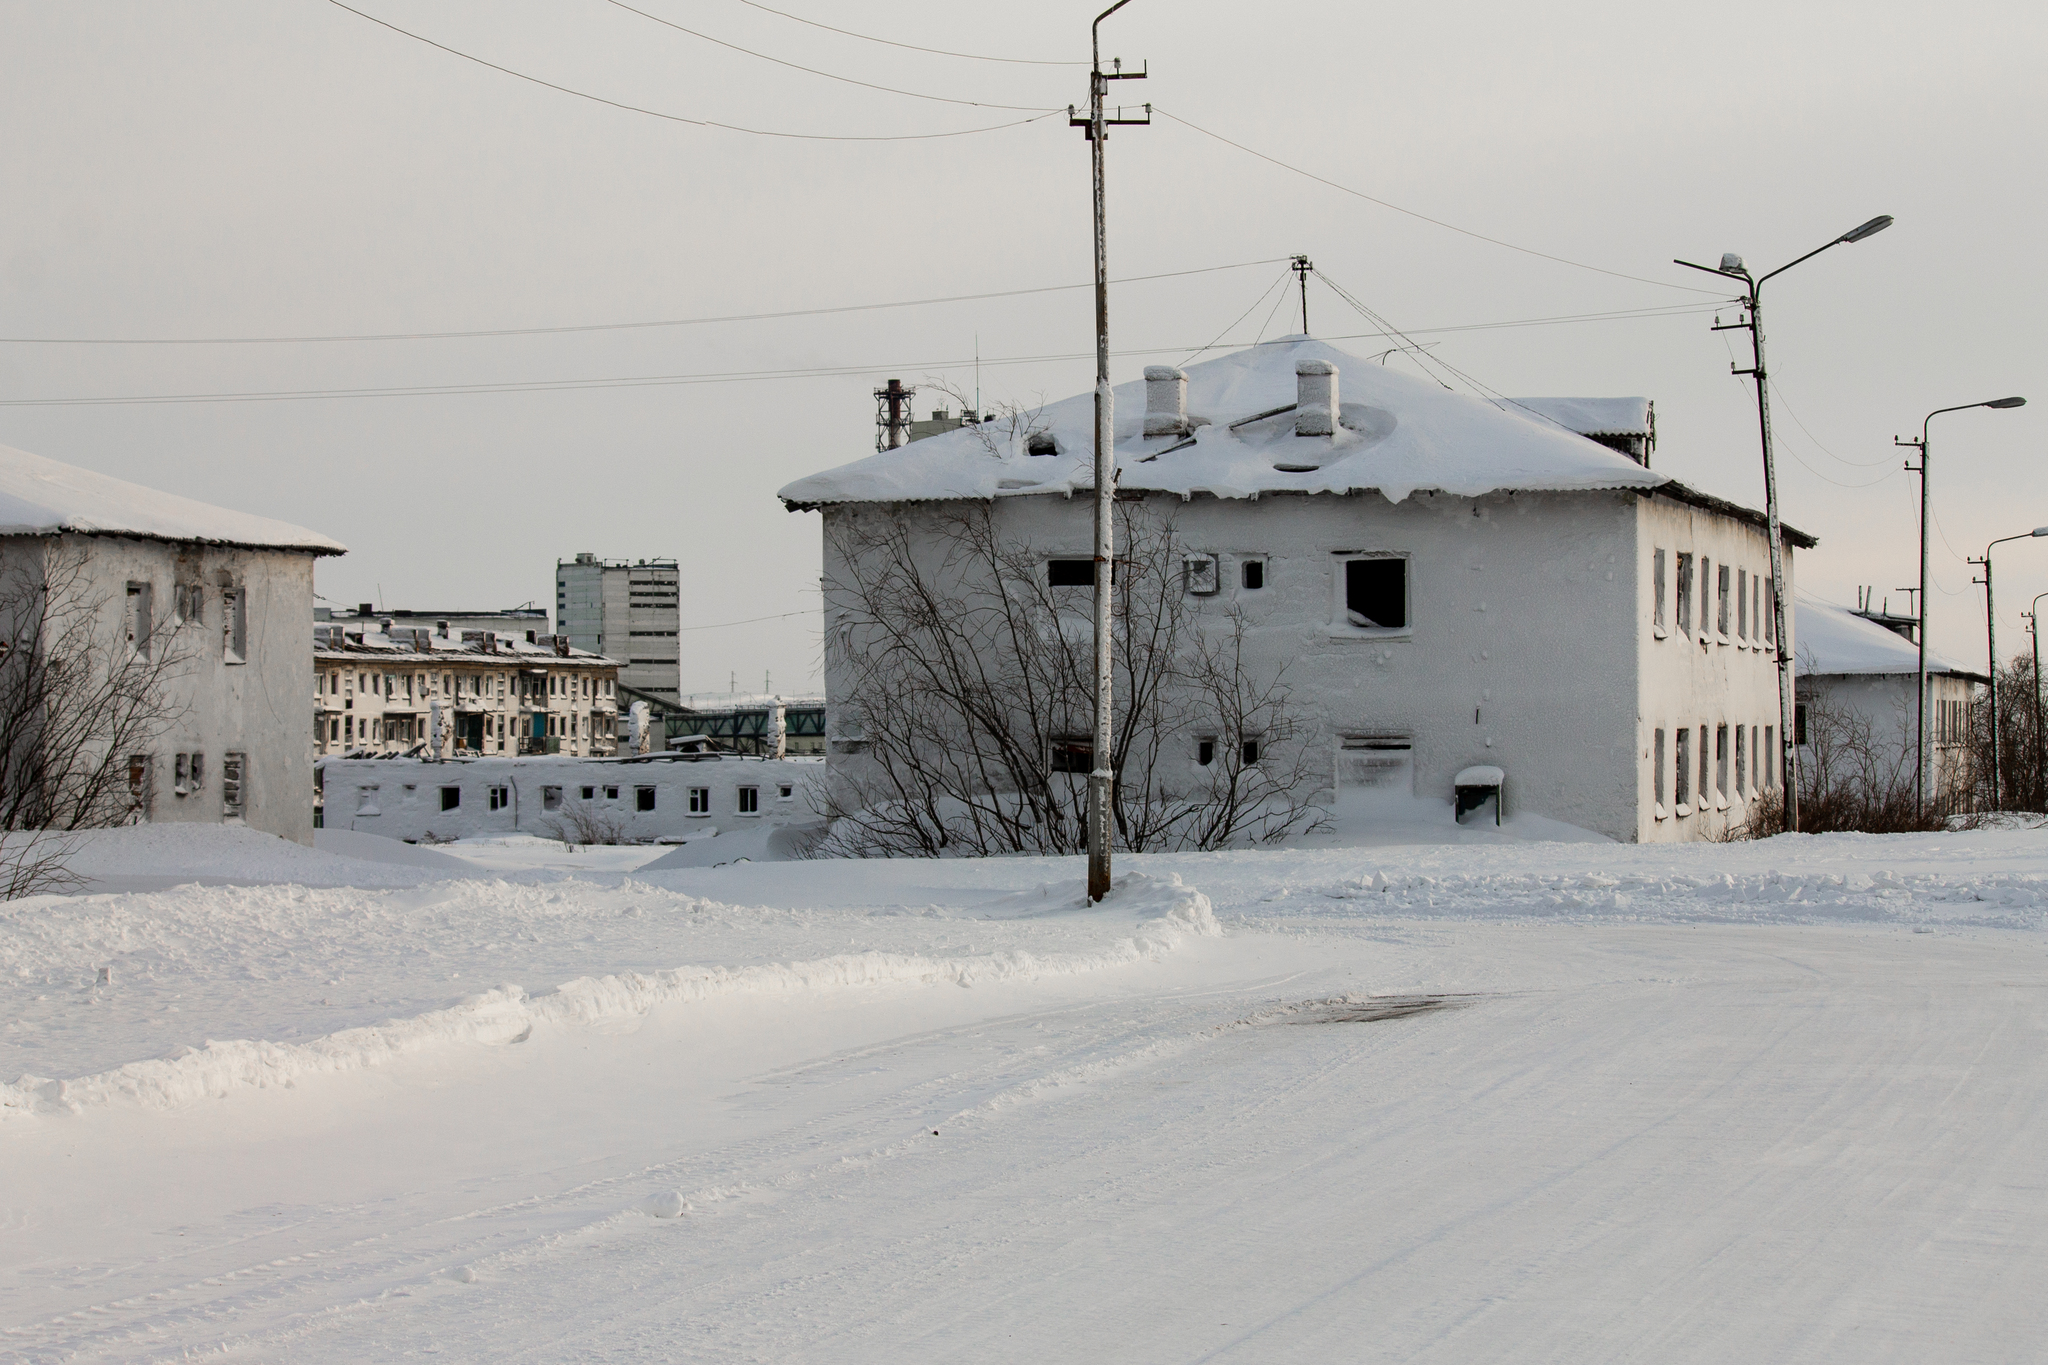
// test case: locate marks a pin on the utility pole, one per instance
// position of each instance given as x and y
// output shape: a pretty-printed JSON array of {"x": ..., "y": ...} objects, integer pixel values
[
  {"x": 1101, "y": 777},
  {"x": 1301, "y": 265}
]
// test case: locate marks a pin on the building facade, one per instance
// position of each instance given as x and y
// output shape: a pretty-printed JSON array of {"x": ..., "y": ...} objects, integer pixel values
[
  {"x": 206, "y": 606},
  {"x": 630, "y": 612},
  {"x": 409, "y": 690},
  {"x": 529, "y": 622},
  {"x": 1444, "y": 583}
]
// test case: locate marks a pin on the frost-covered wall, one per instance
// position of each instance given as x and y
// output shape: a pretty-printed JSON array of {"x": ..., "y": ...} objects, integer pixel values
[
  {"x": 1519, "y": 649},
  {"x": 239, "y": 685},
  {"x": 648, "y": 799},
  {"x": 1700, "y": 679},
  {"x": 1882, "y": 703}
]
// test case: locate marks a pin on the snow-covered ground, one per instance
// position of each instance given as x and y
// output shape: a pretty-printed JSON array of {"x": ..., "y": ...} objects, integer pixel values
[{"x": 1763, "y": 1101}]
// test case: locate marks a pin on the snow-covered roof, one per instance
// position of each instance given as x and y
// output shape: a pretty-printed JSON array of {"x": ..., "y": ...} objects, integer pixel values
[
  {"x": 1834, "y": 640},
  {"x": 376, "y": 647},
  {"x": 40, "y": 497},
  {"x": 1397, "y": 434},
  {"x": 1593, "y": 416}
]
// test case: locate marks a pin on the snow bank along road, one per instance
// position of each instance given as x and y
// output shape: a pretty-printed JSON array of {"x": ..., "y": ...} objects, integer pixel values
[{"x": 1777, "y": 1101}]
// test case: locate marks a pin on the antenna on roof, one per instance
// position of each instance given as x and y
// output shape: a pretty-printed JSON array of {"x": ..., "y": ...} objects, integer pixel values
[{"x": 1301, "y": 265}]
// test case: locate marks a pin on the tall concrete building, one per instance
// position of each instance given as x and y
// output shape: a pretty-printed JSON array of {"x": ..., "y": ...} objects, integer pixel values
[{"x": 628, "y": 612}]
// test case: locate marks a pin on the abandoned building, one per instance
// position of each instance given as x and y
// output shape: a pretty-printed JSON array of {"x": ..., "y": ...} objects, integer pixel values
[
  {"x": 200, "y": 612},
  {"x": 630, "y": 612},
  {"x": 433, "y": 691},
  {"x": 1446, "y": 582}
]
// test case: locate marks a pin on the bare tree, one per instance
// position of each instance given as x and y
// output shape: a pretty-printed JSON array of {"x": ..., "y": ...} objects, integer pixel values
[
  {"x": 972, "y": 686},
  {"x": 584, "y": 823},
  {"x": 84, "y": 694}
]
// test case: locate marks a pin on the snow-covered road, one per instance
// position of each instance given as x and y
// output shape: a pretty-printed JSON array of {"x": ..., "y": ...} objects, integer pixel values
[{"x": 1774, "y": 1102}]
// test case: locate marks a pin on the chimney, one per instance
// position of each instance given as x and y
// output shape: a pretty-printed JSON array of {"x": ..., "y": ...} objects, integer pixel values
[
  {"x": 366, "y": 609},
  {"x": 1166, "y": 401},
  {"x": 1315, "y": 403}
]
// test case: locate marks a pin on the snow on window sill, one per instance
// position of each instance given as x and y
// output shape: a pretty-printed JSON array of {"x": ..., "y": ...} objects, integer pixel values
[
  {"x": 1350, "y": 632},
  {"x": 1659, "y": 812},
  {"x": 1682, "y": 809},
  {"x": 1658, "y": 632},
  {"x": 1721, "y": 804}
]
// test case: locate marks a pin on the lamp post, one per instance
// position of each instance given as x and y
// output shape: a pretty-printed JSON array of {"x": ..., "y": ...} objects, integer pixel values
[
  {"x": 1921, "y": 757},
  {"x": 1732, "y": 267},
  {"x": 1991, "y": 643},
  {"x": 2040, "y": 748}
]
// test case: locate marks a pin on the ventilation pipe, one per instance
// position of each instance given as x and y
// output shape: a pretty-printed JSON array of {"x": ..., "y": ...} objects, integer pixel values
[
  {"x": 1315, "y": 404},
  {"x": 1166, "y": 401}
]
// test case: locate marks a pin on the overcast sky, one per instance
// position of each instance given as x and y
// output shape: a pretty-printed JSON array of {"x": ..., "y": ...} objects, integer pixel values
[{"x": 287, "y": 168}]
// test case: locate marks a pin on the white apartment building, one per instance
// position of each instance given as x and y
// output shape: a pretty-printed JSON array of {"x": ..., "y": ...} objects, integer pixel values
[
  {"x": 630, "y": 612},
  {"x": 412, "y": 691},
  {"x": 123, "y": 577},
  {"x": 1448, "y": 583}
]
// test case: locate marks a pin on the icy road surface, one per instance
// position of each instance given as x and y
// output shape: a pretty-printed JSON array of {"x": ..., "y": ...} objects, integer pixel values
[{"x": 1768, "y": 1102}]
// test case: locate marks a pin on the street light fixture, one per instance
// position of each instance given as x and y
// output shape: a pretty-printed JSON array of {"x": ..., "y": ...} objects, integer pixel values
[
  {"x": 1752, "y": 301},
  {"x": 1991, "y": 643},
  {"x": 1921, "y": 757}
]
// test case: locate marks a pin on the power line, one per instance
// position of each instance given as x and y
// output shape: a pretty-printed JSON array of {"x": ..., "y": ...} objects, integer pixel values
[
  {"x": 1371, "y": 199},
  {"x": 620, "y": 326},
  {"x": 749, "y": 376},
  {"x": 679, "y": 118},
  {"x": 812, "y": 70},
  {"x": 753, "y": 620},
  {"x": 912, "y": 47}
]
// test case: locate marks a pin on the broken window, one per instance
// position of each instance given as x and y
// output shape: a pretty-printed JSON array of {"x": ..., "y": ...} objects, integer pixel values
[
  {"x": 1721, "y": 594},
  {"x": 644, "y": 798},
  {"x": 1799, "y": 723},
  {"x": 611, "y": 793},
  {"x": 231, "y": 770},
  {"x": 589, "y": 793},
  {"x": 234, "y": 625},
  {"x": 1684, "y": 604},
  {"x": 1741, "y": 760},
  {"x": 1657, "y": 771},
  {"x": 501, "y": 797},
  {"x": 1248, "y": 751},
  {"x": 1657, "y": 582},
  {"x": 1774, "y": 774},
  {"x": 1205, "y": 751},
  {"x": 750, "y": 800},
  {"x": 451, "y": 798},
  {"x": 1742, "y": 604},
  {"x": 1200, "y": 573},
  {"x": 1041, "y": 443},
  {"x": 1771, "y": 617},
  {"x": 1721, "y": 761},
  {"x": 1706, "y": 765},
  {"x": 1682, "y": 789},
  {"x": 139, "y": 769},
  {"x": 785, "y": 791},
  {"x": 1252, "y": 574},
  {"x": 1070, "y": 573},
  {"x": 550, "y": 798},
  {"x": 1376, "y": 592},
  {"x": 1072, "y": 755},
  {"x": 138, "y": 618}
]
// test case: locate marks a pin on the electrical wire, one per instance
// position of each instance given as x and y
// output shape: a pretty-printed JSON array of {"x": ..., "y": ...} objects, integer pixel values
[
  {"x": 1237, "y": 320},
  {"x": 679, "y": 118},
  {"x": 623, "y": 326},
  {"x": 1371, "y": 199},
  {"x": 1779, "y": 393},
  {"x": 1269, "y": 317},
  {"x": 729, "y": 376},
  {"x": 913, "y": 47},
  {"x": 754, "y": 620},
  {"x": 828, "y": 75}
]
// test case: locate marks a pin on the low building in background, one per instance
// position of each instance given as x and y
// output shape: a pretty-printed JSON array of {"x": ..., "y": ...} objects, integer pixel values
[
  {"x": 528, "y": 621},
  {"x": 494, "y": 693},
  {"x": 630, "y": 612},
  {"x": 762, "y": 726},
  {"x": 663, "y": 797},
  {"x": 145, "y": 640}
]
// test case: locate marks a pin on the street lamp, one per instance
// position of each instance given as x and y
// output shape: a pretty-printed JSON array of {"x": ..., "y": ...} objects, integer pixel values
[
  {"x": 2040, "y": 746},
  {"x": 1921, "y": 757},
  {"x": 1732, "y": 267},
  {"x": 1991, "y": 641}
]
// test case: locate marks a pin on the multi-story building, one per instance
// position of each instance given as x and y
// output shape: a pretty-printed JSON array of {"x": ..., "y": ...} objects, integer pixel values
[
  {"x": 382, "y": 691},
  {"x": 628, "y": 612}
]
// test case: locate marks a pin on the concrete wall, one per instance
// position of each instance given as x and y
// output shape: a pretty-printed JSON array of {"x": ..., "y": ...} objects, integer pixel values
[
  {"x": 255, "y": 707},
  {"x": 1703, "y": 678},
  {"x": 1522, "y": 651},
  {"x": 402, "y": 798},
  {"x": 1884, "y": 702}
]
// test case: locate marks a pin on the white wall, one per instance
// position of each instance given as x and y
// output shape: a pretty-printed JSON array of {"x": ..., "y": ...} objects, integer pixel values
[
  {"x": 401, "y": 798},
  {"x": 1522, "y": 652},
  {"x": 1702, "y": 679},
  {"x": 1885, "y": 702}
]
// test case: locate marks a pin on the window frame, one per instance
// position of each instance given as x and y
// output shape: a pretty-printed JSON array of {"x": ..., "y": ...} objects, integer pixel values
[{"x": 1340, "y": 626}]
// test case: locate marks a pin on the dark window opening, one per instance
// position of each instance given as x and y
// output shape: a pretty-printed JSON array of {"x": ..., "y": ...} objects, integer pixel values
[
  {"x": 1376, "y": 592},
  {"x": 1253, "y": 574},
  {"x": 451, "y": 798},
  {"x": 645, "y": 797},
  {"x": 1070, "y": 573},
  {"x": 550, "y": 798},
  {"x": 589, "y": 793},
  {"x": 1250, "y": 752},
  {"x": 1073, "y": 756},
  {"x": 1205, "y": 752},
  {"x": 611, "y": 793},
  {"x": 1041, "y": 443},
  {"x": 1799, "y": 723}
]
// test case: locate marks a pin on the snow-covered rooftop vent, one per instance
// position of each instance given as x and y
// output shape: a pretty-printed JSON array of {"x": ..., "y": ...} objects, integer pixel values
[
  {"x": 1166, "y": 400},
  {"x": 1315, "y": 404}
]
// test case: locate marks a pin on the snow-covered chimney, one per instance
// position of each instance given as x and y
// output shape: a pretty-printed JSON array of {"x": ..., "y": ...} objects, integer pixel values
[
  {"x": 1315, "y": 403},
  {"x": 1166, "y": 400}
]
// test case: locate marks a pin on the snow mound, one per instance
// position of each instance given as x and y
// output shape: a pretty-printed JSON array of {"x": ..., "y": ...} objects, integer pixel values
[
  {"x": 755, "y": 843},
  {"x": 152, "y": 857},
  {"x": 1155, "y": 916},
  {"x": 375, "y": 848}
]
